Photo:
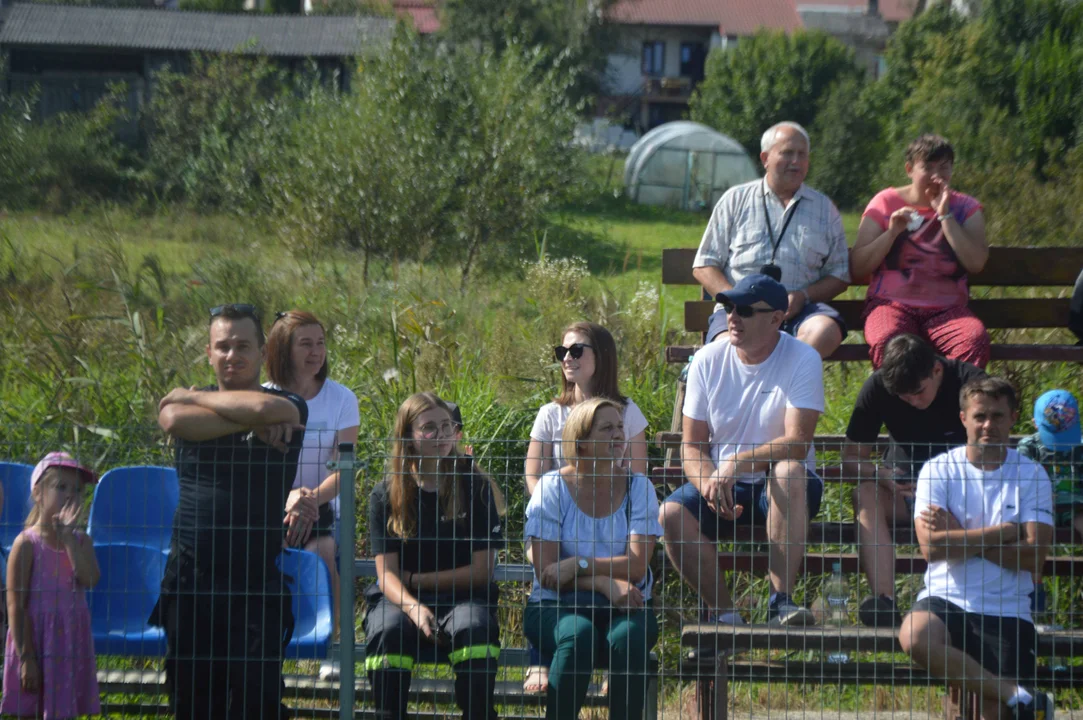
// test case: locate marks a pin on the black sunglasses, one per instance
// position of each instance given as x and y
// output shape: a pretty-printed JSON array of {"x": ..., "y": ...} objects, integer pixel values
[
  {"x": 576, "y": 351},
  {"x": 240, "y": 309},
  {"x": 745, "y": 311}
]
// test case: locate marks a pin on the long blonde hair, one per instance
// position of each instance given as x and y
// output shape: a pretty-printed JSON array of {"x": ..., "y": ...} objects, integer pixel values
[
  {"x": 50, "y": 476},
  {"x": 404, "y": 463}
]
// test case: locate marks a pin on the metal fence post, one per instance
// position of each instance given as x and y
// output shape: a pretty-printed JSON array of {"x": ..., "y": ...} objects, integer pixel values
[{"x": 347, "y": 531}]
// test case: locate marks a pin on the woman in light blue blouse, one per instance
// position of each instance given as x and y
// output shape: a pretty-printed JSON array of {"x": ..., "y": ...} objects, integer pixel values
[{"x": 593, "y": 526}]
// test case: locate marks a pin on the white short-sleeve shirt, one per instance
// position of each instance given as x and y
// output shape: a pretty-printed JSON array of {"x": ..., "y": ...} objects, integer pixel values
[
  {"x": 745, "y": 406},
  {"x": 333, "y": 409},
  {"x": 554, "y": 516},
  {"x": 549, "y": 426},
  {"x": 737, "y": 240},
  {"x": 1018, "y": 491}
]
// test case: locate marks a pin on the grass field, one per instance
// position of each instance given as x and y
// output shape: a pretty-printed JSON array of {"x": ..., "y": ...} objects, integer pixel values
[{"x": 104, "y": 311}]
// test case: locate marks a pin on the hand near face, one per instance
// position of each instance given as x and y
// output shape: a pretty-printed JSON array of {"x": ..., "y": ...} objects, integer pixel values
[
  {"x": 938, "y": 194},
  {"x": 66, "y": 521}
]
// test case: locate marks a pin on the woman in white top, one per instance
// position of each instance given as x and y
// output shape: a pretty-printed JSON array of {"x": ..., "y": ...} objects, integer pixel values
[
  {"x": 588, "y": 363},
  {"x": 297, "y": 362},
  {"x": 593, "y": 526}
]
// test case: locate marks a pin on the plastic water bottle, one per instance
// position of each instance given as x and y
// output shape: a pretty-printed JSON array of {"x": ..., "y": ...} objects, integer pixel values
[
  {"x": 837, "y": 606},
  {"x": 1045, "y": 619}
]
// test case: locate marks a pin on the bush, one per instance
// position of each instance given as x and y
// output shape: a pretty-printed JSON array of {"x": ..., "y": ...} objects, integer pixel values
[
  {"x": 846, "y": 145},
  {"x": 63, "y": 161},
  {"x": 768, "y": 78},
  {"x": 210, "y": 129},
  {"x": 446, "y": 155}
]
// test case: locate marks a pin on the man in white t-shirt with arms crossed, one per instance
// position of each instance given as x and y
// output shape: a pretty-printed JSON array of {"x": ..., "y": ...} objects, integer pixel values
[
  {"x": 750, "y": 413},
  {"x": 984, "y": 519}
]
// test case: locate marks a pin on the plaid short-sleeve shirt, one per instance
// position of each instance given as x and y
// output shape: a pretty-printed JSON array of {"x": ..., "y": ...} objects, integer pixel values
[{"x": 737, "y": 240}]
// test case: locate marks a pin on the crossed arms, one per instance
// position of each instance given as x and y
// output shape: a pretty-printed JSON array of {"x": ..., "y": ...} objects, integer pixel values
[
  {"x": 1012, "y": 546},
  {"x": 200, "y": 416}
]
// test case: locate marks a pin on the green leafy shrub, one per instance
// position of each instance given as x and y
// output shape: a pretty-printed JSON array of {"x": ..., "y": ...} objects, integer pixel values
[{"x": 767, "y": 78}]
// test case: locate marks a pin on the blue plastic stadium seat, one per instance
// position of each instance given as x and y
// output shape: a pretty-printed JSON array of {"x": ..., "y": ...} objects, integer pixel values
[
  {"x": 310, "y": 584},
  {"x": 121, "y": 603},
  {"x": 135, "y": 505},
  {"x": 15, "y": 479}
]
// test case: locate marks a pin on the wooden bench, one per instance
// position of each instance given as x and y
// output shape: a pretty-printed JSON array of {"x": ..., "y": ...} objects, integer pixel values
[
  {"x": 1044, "y": 267},
  {"x": 713, "y": 668},
  {"x": 148, "y": 686}
]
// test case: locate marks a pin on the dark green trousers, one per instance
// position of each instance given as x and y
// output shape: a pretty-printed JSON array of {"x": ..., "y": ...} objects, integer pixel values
[{"x": 582, "y": 638}]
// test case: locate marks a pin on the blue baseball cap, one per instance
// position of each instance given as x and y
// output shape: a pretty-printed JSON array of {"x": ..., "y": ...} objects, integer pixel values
[
  {"x": 1056, "y": 413},
  {"x": 756, "y": 288}
]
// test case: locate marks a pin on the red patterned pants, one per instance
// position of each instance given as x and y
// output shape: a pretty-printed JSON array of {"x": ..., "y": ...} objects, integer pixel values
[{"x": 955, "y": 332}]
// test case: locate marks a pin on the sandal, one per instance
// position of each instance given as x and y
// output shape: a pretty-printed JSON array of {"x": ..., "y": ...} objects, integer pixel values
[{"x": 536, "y": 681}]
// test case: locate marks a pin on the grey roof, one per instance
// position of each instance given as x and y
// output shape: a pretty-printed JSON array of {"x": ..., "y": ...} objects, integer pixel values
[{"x": 172, "y": 30}]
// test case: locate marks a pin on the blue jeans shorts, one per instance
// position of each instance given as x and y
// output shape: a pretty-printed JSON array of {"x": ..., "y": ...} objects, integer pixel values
[
  {"x": 718, "y": 320},
  {"x": 753, "y": 497}
]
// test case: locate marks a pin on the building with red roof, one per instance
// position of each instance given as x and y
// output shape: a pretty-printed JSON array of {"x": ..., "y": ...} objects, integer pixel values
[{"x": 661, "y": 45}]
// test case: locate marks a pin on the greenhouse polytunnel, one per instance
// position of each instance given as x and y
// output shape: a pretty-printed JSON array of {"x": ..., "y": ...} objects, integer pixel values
[{"x": 685, "y": 165}]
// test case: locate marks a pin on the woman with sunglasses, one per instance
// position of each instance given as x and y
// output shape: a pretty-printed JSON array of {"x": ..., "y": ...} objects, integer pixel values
[
  {"x": 588, "y": 363},
  {"x": 434, "y": 524},
  {"x": 593, "y": 526},
  {"x": 297, "y": 362}
]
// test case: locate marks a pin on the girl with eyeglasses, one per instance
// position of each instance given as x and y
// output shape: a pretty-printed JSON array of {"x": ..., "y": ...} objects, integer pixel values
[
  {"x": 434, "y": 525},
  {"x": 297, "y": 362},
  {"x": 588, "y": 364}
]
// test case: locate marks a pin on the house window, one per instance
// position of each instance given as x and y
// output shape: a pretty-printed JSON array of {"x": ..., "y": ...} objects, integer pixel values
[
  {"x": 693, "y": 59},
  {"x": 654, "y": 58}
]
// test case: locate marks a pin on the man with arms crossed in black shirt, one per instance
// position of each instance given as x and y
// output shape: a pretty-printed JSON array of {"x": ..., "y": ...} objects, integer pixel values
[
  {"x": 224, "y": 607},
  {"x": 915, "y": 394}
]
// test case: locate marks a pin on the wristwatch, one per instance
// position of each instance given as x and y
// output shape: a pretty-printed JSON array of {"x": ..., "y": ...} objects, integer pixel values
[
  {"x": 583, "y": 564},
  {"x": 943, "y": 218}
]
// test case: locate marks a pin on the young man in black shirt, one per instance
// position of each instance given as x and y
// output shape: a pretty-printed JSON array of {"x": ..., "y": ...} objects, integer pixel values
[
  {"x": 915, "y": 394},
  {"x": 224, "y": 606}
]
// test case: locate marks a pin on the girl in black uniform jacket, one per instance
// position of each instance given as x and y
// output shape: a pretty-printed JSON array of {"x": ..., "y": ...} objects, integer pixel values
[{"x": 435, "y": 524}]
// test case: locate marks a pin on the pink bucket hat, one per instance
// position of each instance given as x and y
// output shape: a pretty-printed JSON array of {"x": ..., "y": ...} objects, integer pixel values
[{"x": 61, "y": 459}]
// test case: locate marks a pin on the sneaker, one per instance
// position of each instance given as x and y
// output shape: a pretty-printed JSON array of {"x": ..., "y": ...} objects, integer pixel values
[
  {"x": 1040, "y": 708},
  {"x": 329, "y": 670},
  {"x": 879, "y": 612},
  {"x": 789, "y": 614}
]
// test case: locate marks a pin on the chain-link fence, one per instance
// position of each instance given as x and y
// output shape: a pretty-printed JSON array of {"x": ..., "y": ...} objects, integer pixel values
[{"x": 826, "y": 578}]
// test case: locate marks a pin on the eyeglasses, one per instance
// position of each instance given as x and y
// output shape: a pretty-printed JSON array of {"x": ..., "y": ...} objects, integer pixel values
[
  {"x": 745, "y": 311},
  {"x": 239, "y": 309},
  {"x": 432, "y": 431},
  {"x": 576, "y": 351}
]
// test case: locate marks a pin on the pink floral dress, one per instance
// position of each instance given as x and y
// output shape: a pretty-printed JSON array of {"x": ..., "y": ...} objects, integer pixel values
[{"x": 60, "y": 624}]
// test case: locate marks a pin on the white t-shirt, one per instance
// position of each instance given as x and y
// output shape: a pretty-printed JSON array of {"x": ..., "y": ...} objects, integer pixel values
[
  {"x": 745, "y": 405},
  {"x": 549, "y": 426},
  {"x": 1018, "y": 491},
  {"x": 334, "y": 408},
  {"x": 553, "y": 515}
]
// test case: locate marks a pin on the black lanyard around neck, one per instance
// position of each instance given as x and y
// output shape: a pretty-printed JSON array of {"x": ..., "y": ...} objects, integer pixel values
[{"x": 785, "y": 223}]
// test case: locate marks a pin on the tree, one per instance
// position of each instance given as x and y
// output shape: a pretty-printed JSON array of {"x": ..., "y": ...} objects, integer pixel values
[
  {"x": 768, "y": 78},
  {"x": 573, "y": 32},
  {"x": 846, "y": 144}
]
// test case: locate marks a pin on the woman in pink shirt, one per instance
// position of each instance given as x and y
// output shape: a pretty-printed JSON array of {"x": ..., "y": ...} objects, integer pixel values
[{"x": 916, "y": 245}]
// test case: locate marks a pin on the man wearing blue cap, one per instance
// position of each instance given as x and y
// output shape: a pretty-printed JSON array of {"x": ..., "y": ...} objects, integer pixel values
[
  {"x": 750, "y": 413},
  {"x": 1058, "y": 446}
]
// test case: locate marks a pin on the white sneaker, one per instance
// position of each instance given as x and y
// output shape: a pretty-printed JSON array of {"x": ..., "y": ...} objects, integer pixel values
[
  {"x": 730, "y": 617},
  {"x": 329, "y": 670}
]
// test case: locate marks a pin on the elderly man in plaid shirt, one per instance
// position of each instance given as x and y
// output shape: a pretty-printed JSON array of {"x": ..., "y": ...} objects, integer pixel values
[{"x": 782, "y": 228}]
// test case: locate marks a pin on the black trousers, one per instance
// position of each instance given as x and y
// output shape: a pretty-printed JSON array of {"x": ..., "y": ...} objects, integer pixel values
[
  {"x": 472, "y": 646},
  {"x": 224, "y": 650}
]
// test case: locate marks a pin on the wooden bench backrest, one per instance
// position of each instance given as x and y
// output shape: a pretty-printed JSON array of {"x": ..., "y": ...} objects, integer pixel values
[{"x": 1007, "y": 267}]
